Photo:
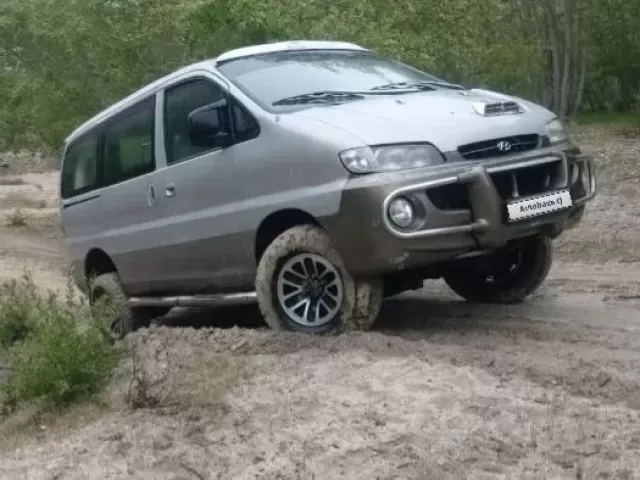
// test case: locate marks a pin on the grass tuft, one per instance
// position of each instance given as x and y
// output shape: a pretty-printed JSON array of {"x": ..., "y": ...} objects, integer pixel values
[
  {"x": 17, "y": 316},
  {"x": 53, "y": 356}
]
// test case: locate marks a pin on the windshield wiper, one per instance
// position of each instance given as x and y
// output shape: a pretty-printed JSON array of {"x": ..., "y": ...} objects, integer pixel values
[
  {"x": 319, "y": 97},
  {"x": 335, "y": 96},
  {"x": 423, "y": 85}
]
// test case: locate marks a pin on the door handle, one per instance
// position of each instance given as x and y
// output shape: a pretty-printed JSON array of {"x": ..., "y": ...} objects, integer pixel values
[
  {"x": 151, "y": 196},
  {"x": 170, "y": 190}
]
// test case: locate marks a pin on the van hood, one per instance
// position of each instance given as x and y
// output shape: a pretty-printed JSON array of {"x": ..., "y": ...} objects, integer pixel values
[{"x": 444, "y": 118}]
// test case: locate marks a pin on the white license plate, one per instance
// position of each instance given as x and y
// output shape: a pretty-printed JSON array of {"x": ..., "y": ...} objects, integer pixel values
[{"x": 538, "y": 205}]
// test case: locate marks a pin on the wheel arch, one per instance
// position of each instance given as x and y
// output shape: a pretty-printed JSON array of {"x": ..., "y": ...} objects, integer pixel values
[
  {"x": 98, "y": 262},
  {"x": 276, "y": 223}
]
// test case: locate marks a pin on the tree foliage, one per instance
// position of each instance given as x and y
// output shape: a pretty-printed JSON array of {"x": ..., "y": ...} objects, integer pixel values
[{"x": 63, "y": 60}]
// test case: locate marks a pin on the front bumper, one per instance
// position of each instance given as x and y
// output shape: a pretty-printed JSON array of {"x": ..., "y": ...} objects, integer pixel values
[{"x": 460, "y": 209}]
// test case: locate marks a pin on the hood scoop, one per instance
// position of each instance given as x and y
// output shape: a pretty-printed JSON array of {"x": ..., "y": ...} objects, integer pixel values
[{"x": 494, "y": 109}]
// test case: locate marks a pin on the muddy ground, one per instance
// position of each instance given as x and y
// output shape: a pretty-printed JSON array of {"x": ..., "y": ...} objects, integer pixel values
[{"x": 548, "y": 389}]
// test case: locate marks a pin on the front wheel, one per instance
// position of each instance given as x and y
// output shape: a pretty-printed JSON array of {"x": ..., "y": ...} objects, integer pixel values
[
  {"x": 508, "y": 275},
  {"x": 303, "y": 286}
]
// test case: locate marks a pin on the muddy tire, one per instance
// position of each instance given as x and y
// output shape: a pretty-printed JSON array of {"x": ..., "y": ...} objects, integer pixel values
[
  {"x": 507, "y": 276},
  {"x": 109, "y": 306},
  {"x": 302, "y": 285}
]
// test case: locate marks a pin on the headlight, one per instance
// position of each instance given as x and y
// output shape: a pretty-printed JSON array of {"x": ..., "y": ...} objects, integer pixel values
[
  {"x": 390, "y": 158},
  {"x": 556, "y": 131}
]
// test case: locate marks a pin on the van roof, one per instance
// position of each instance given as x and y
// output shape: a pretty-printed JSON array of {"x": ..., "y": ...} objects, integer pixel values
[
  {"x": 210, "y": 64},
  {"x": 286, "y": 46}
]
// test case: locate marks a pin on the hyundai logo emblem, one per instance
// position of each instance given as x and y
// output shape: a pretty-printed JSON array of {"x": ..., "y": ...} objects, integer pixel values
[{"x": 503, "y": 146}]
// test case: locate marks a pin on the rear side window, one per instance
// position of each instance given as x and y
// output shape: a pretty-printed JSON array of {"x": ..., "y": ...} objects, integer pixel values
[
  {"x": 80, "y": 170},
  {"x": 180, "y": 101},
  {"x": 128, "y": 143}
]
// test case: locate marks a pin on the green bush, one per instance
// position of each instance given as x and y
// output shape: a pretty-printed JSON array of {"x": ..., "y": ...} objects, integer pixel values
[
  {"x": 17, "y": 315},
  {"x": 54, "y": 357}
]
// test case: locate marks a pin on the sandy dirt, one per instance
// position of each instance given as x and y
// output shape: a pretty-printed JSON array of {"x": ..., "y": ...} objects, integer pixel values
[
  {"x": 548, "y": 389},
  {"x": 30, "y": 238}
]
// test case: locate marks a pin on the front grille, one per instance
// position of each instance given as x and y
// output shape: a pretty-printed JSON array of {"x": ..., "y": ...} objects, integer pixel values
[
  {"x": 528, "y": 181},
  {"x": 499, "y": 146}
]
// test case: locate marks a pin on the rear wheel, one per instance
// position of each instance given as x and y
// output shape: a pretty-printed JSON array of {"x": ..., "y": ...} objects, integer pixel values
[
  {"x": 109, "y": 306},
  {"x": 508, "y": 275},
  {"x": 302, "y": 285}
]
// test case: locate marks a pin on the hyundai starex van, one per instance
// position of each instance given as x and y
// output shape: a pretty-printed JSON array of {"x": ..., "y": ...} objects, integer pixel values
[{"x": 316, "y": 178}]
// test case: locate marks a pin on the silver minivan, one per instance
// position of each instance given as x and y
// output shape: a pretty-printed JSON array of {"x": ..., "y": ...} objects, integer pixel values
[{"x": 317, "y": 178}]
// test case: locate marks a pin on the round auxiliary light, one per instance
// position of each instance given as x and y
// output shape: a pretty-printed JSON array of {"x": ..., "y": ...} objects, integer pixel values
[{"x": 401, "y": 212}]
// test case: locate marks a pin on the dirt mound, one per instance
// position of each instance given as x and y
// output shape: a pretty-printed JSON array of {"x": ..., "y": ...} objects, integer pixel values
[{"x": 255, "y": 404}]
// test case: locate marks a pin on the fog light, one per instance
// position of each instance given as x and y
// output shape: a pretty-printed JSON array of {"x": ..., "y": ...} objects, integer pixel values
[{"x": 401, "y": 212}]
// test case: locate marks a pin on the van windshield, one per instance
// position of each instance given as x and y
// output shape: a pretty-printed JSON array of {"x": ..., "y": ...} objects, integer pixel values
[{"x": 272, "y": 77}]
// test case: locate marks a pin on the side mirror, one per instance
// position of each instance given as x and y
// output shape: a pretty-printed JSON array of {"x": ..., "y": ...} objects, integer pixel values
[{"x": 208, "y": 126}]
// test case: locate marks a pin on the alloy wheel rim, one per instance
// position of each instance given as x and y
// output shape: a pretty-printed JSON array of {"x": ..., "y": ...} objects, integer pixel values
[{"x": 310, "y": 290}]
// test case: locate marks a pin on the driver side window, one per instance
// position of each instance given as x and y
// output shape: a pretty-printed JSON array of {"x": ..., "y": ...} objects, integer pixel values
[{"x": 180, "y": 101}]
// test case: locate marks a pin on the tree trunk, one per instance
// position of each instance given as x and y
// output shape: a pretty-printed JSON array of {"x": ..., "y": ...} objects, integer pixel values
[
  {"x": 565, "y": 84},
  {"x": 553, "y": 40},
  {"x": 581, "y": 81},
  {"x": 557, "y": 26}
]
